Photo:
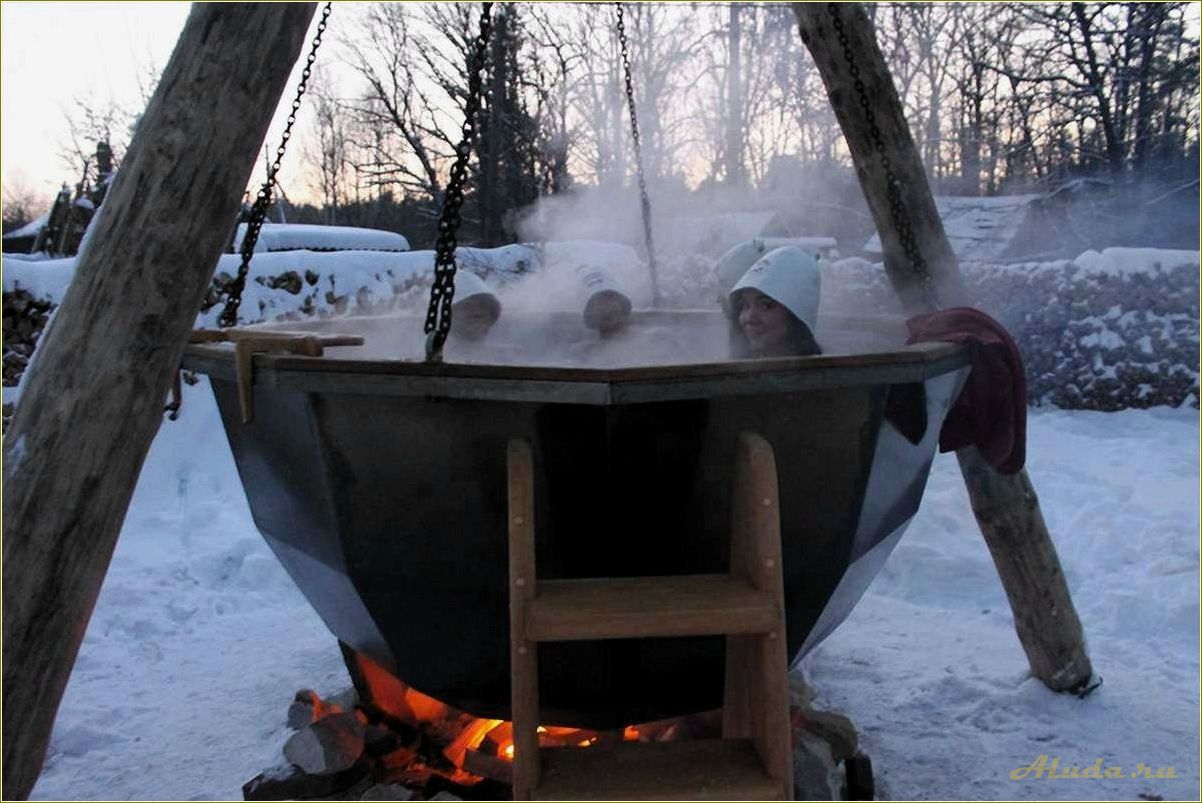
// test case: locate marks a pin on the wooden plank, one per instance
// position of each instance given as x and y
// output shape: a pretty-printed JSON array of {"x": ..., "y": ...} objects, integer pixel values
[
  {"x": 248, "y": 343},
  {"x": 736, "y": 695},
  {"x": 93, "y": 400},
  {"x": 702, "y": 769},
  {"x": 523, "y": 651},
  {"x": 769, "y": 691},
  {"x": 645, "y": 607},
  {"x": 761, "y": 662},
  {"x": 486, "y": 766}
]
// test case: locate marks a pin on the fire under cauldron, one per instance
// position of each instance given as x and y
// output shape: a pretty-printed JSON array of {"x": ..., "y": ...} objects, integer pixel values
[{"x": 380, "y": 484}]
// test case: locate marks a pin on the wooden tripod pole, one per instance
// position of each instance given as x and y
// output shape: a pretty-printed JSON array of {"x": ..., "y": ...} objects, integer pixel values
[
  {"x": 841, "y": 40},
  {"x": 94, "y": 398}
]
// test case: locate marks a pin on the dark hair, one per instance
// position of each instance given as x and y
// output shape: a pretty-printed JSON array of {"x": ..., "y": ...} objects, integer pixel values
[{"x": 800, "y": 340}]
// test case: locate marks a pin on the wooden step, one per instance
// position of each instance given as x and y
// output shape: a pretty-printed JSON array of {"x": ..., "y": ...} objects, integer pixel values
[
  {"x": 645, "y": 607},
  {"x": 702, "y": 769}
]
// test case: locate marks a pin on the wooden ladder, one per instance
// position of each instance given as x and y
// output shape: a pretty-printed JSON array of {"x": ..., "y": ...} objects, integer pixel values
[{"x": 753, "y": 759}]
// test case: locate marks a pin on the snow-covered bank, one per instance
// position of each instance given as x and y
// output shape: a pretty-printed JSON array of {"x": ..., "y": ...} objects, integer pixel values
[
  {"x": 1105, "y": 331},
  {"x": 199, "y": 639}
]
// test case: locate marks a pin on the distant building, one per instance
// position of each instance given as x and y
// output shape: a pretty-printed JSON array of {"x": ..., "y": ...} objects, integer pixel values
[
  {"x": 20, "y": 241},
  {"x": 980, "y": 229}
]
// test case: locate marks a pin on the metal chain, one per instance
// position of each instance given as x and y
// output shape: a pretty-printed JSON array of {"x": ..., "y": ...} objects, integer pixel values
[
  {"x": 258, "y": 213},
  {"x": 638, "y": 156},
  {"x": 892, "y": 185},
  {"x": 442, "y": 291}
]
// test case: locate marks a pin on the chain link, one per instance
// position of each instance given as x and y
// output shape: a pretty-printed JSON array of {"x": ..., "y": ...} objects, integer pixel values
[
  {"x": 442, "y": 291},
  {"x": 638, "y": 156},
  {"x": 897, "y": 211},
  {"x": 258, "y": 212}
]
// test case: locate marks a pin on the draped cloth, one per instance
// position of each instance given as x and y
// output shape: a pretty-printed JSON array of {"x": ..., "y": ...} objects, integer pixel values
[{"x": 991, "y": 411}]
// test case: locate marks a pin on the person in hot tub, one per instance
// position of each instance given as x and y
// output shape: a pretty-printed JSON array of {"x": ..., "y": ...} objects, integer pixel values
[
  {"x": 475, "y": 309},
  {"x": 776, "y": 305},
  {"x": 606, "y": 304},
  {"x": 606, "y": 309},
  {"x": 733, "y": 264},
  {"x": 474, "y": 312}
]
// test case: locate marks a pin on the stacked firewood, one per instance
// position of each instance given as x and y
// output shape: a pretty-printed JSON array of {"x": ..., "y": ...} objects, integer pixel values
[{"x": 24, "y": 319}]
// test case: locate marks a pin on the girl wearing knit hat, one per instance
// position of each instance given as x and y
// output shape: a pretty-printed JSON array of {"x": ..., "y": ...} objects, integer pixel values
[
  {"x": 776, "y": 305},
  {"x": 475, "y": 308}
]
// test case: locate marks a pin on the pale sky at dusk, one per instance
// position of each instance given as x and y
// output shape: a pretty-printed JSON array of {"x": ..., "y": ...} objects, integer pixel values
[{"x": 54, "y": 52}]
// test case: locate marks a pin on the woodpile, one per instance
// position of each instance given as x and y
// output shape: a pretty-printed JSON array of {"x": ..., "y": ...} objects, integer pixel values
[
  {"x": 352, "y": 747},
  {"x": 345, "y": 748},
  {"x": 24, "y": 319}
]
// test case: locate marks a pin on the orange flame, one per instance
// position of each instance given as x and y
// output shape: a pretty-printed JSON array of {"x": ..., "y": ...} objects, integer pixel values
[{"x": 469, "y": 739}]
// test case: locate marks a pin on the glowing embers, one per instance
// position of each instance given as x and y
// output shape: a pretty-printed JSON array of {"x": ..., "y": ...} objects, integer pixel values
[
  {"x": 465, "y": 749},
  {"x": 383, "y": 740},
  {"x": 432, "y": 742}
]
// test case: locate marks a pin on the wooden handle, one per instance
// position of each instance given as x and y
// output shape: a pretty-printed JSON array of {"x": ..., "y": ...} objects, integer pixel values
[{"x": 247, "y": 343}]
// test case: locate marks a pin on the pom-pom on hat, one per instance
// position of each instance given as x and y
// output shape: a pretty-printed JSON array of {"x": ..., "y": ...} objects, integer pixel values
[{"x": 735, "y": 262}]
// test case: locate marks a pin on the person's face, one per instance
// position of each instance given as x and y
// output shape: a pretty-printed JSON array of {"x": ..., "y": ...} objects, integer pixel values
[
  {"x": 473, "y": 318},
  {"x": 764, "y": 322}
]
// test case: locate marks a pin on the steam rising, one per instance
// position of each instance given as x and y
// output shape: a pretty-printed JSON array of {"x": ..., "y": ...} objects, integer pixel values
[{"x": 539, "y": 282}]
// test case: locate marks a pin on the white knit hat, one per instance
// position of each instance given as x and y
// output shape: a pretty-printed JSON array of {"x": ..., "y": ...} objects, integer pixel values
[
  {"x": 735, "y": 262},
  {"x": 788, "y": 276},
  {"x": 468, "y": 284},
  {"x": 595, "y": 280}
]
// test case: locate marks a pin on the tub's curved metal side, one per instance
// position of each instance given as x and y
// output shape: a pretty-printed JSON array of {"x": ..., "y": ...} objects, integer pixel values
[{"x": 382, "y": 492}]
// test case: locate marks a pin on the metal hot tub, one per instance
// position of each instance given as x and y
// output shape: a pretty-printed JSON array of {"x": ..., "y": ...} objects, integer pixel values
[{"x": 380, "y": 485}]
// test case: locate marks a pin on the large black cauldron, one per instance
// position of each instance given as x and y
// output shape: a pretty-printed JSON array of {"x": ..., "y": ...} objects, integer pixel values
[{"x": 380, "y": 485}]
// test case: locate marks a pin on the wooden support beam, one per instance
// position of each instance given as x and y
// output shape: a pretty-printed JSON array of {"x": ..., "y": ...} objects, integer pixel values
[
  {"x": 94, "y": 398},
  {"x": 874, "y": 127},
  {"x": 1007, "y": 510},
  {"x": 866, "y": 104}
]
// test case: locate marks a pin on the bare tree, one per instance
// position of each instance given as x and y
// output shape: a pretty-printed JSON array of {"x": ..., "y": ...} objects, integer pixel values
[
  {"x": 552, "y": 76},
  {"x": 22, "y": 203},
  {"x": 598, "y": 99},
  {"x": 396, "y": 133},
  {"x": 88, "y": 123},
  {"x": 328, "y": 154},
  {"x": 1111, "y": 71}
]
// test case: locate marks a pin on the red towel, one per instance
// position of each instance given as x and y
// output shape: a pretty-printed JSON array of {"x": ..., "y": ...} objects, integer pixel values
[{"x": 991, "y": 412}]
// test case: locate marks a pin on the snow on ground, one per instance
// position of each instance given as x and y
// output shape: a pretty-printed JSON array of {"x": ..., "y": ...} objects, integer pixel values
[
  {"x": 197, "y": 643},
  {"x": 929, "y": 667},
  {"x": 199, "y": 639}
]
